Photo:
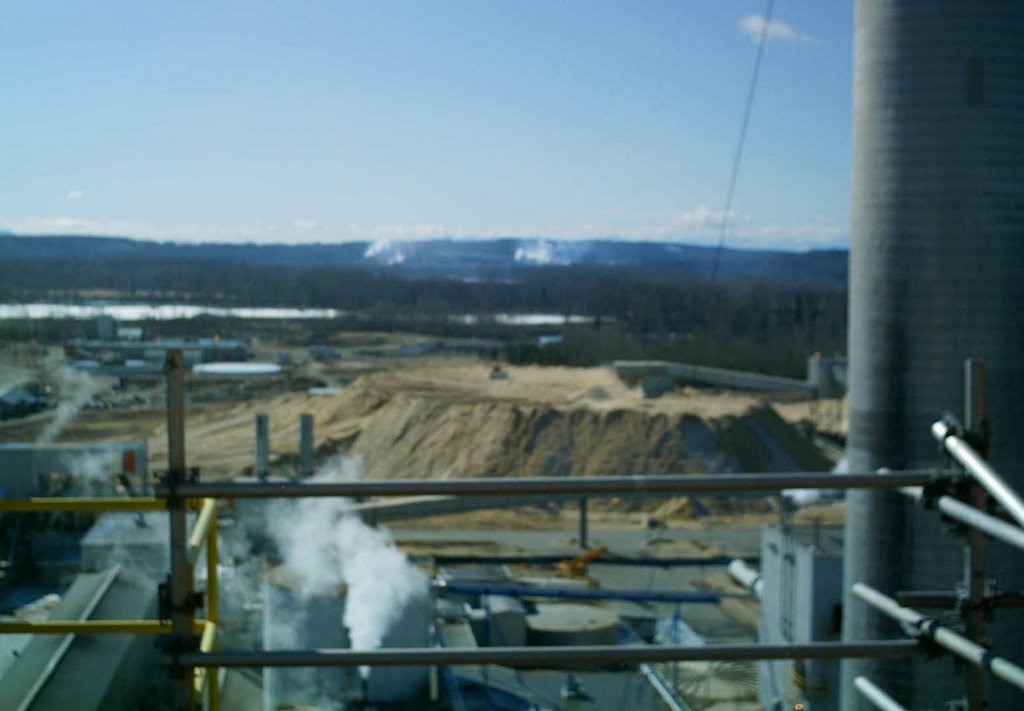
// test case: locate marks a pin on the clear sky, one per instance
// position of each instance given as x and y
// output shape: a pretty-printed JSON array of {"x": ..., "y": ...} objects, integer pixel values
[{"x": 290, "y": 121}]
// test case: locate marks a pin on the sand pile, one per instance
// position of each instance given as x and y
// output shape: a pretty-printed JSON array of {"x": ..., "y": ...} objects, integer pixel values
[{"x": 450, "y": 419}]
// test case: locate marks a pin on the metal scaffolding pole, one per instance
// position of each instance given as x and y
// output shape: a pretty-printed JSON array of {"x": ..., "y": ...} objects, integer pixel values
[
  {"x": 584, "y": 524},
  {"x": 179, "y": 592},
  {"x": 549, "y": 657},
  {"x": 93, "y": 504},
  {"x": 201, "y": 529},
  {"x": 946, "y": 638},
  {"x": 693, "y": 597},
  {"x": 980, "y": 470},
  {"x": 875, "y": 695},
  {"x": 970, "y": 516},
  {"x": 555, "y": 486},
  {"x": 306, "y": 445},
  {"x": 261, "y": 466}
]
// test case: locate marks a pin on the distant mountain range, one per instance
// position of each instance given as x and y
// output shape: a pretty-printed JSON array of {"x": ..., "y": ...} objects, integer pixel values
[{"x": 459, "y": 259}]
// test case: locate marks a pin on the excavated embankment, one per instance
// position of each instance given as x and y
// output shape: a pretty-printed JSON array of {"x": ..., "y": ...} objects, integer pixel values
[{"x": 451, "y": 419}]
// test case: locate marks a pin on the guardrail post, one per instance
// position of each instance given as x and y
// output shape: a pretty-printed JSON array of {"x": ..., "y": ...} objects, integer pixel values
[
  {"x": 179, "y": 593},
  {"x": 261, "y": 466},
  {"x": 305, "y": 445}
]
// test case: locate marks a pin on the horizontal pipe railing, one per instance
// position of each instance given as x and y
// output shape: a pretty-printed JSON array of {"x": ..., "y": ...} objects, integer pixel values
[
  {"x": 970, "y": 516},
  {"x": 521, "y": 591},
  {"x": 583, "y": 485},
  {"x": 980, "y": 470},
  {"x": 95, "y": 504},
  {"x": 946, "y": 638},
  {"x": 881, "y": 700},
  {"x": 87, "y": 627},
  {"x": 93, "y": 627},
  {"x": 545, "y": 656}
]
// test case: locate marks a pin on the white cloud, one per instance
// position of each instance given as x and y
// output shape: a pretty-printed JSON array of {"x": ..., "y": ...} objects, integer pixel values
[
  {"x": 255, "y": 231},
  {"x": 700, "y": 225},
  {"x": 75, "y": 195},
  {"x": 754, "y": 25}
]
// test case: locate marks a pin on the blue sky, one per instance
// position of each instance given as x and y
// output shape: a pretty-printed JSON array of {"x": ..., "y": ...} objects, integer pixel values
[{"x": 292, "y": 121}]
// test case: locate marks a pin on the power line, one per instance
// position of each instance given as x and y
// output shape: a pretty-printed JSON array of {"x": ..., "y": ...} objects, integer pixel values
[{"x": 738, "y": 157}]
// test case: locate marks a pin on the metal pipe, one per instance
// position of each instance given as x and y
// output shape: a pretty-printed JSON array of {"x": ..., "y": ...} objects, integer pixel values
[
  {"x": 180, "y": 589},
  {"x": 261, "y": 467},
  {"x": 95, "y": 504},
  {"x": 548, "y": 656},
  {"x": 201, "y": 529},
  {"x": 87, "y": 627},
  {"x": 661, "y": 687},
  {"x": 980, "y": 470},
  {"x": 970, "y": 516},
  {"x": 212, "y": 574},
  {"x": 748, "y": 577},
  {"x": 876, "y": 696},
  {"x": 305, "y": 445},
  {"x": 959, "y": 645},
  {"x": 206, "y": 644},
  {"x": 589, "y": 486},
  {"x": 644, "y": 561},
  {"x": 520, "y": 591},
  {"x": 584, "y": 524}
]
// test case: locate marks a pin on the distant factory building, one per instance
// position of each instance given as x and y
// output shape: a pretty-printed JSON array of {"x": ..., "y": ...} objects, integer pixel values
[
  {"x": 321, "y": 352},
  {"x": 801, "y": 590},
  {"x": 119, "y": 352},
  {"x": 18, "y": 402}
]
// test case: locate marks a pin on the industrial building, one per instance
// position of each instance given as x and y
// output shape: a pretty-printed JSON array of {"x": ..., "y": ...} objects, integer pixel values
[{"x": 901, "y": 611}]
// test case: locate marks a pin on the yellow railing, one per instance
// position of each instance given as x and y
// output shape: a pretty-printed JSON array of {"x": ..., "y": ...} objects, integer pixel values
[{"x": 203, "y": 535}]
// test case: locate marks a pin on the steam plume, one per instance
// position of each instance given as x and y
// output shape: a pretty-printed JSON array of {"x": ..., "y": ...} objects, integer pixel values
[
  {"x": 326, "y": 545},
  {"x": 76, "y": 388}
]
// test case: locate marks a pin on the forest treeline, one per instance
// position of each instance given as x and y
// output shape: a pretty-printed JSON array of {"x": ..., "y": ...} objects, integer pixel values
[{"x": 762, "y": 325}]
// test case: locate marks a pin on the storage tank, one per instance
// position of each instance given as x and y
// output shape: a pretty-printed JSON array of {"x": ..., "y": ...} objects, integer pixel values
[
  {"x": 936, "y": 276},
  {"x": 557, "y": 623}
]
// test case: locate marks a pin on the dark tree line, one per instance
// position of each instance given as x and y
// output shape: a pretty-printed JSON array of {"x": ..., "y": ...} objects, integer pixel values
[{"x": 650, "y": 313}]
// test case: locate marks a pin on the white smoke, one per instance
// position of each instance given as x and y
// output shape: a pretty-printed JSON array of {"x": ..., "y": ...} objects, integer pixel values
[
  {"x": 93, "y": 471},
  {"x": 75, "y": 389},
  {"x": 326, "y": 545}
]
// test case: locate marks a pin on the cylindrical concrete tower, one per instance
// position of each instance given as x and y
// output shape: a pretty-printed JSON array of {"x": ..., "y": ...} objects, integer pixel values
[{"x": 937, "y": 275}]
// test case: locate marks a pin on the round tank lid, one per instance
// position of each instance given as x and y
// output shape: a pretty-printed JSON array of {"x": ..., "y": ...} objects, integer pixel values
[{"x": 571, "y": 617}]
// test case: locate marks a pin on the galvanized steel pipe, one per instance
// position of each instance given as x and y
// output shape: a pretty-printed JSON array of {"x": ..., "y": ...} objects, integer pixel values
[
  {"x": 875, "y": 695},
  {"x": 547, "y": 656},
  {"x": 540, "y": 486},
  {"x": 980, "y": 470},
  {"x": 970, "y": 516},
  {"x": 521, "y": 591},
  {"x": 946, "y": 638}
]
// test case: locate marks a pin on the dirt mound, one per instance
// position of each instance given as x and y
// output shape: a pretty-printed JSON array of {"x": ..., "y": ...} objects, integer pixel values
[{"x": 449, "y": 419}]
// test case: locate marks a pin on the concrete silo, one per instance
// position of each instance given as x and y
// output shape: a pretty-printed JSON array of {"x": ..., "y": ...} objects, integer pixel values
[{"x": 937, "y": 275}]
